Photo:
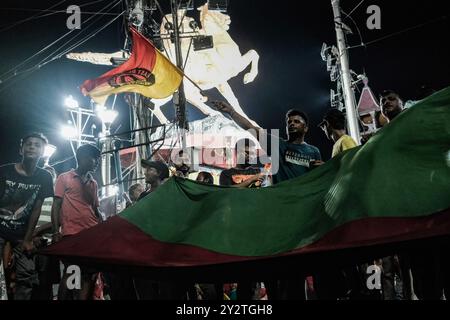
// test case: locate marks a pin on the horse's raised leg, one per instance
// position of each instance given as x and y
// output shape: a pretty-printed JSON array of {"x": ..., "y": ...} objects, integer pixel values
[
  {"x": 228, "y": 94},
  {"x": 160, "y": 115},
  {"x": 251, "y": 57}
]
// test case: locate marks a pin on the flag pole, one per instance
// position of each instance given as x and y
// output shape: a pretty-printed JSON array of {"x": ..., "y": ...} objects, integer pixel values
[{"x": 181, "y": 101}]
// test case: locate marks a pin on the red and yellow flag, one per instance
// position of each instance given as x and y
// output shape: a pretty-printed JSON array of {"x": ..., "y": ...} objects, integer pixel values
[{"x": 147, "y": 72}]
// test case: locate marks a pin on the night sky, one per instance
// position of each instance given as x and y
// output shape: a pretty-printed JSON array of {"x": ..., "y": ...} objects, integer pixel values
[{"x": 288, "y": 36}]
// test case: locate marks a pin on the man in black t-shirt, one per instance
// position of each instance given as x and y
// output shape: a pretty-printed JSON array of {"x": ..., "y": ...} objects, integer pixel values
[
  {"x": 246, "y": 174},
  {"x": 23, "y": 188}
]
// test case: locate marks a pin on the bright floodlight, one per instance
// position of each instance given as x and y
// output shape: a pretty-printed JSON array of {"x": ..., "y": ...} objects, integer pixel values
[
  {"x": 107, "y": 116},
  {"x": 71, "y": 103},
  {"x": 49, "y": 151},
  {"x": 69, "y": 132}
]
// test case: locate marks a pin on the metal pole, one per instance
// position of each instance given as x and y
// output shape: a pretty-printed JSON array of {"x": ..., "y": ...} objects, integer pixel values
[
  {"x": 108, "y": 165},
  {"x": 119, "y": 177},
  {"x": 103, "y": 163},
  {"x": 181, "y": 103},
  {"x": 79, "y": 127},
  {"x": 106, "y": 161},
  {"x": 137, "y": 140},
  {"x": 137, "y": 109},
  {"x": 349, "y": 95}
]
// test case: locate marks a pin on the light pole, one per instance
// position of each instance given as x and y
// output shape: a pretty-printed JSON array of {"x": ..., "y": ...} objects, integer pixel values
[
  {"x": 107, "y": 117},
  {"x": 349, "y": 95},
  {"x": 74, "y": 131}
]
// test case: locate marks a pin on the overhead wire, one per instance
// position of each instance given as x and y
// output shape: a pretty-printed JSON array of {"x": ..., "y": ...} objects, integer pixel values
[
  {"x": 88, "y": 37},
  {"x": 29, "y": 71},
  {"x": 401, "y": 31},
  {"x": 44, "y": 49},
  {"x": 80, "y": 41},
  {"x": 356, "y": 26},
  {"x": 349, "y": 15},
  {"x": 43, "y": 61},
  {"x": 50, "y": 13},
  {"x": 36, "y": 16}
]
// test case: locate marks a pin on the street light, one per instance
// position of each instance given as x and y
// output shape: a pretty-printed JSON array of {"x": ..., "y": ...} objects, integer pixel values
[{"x": 107, "y": 117}]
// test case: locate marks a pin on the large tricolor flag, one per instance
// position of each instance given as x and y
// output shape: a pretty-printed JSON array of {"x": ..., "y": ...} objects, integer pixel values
[
  {"x": 147, "y": 72},
  {"x": 394, "y": 188}
]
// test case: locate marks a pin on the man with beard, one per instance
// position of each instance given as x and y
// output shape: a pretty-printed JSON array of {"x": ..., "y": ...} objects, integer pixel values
[
  {"x": 391, "y": 104},
  {"x": 427, "y": 264}
]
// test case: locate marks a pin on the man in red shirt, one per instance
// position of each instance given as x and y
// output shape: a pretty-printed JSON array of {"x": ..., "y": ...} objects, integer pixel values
[{"x": 75, "y": 208}]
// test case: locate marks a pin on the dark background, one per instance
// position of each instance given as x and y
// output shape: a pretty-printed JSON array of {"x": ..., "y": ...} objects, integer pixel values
[{"x": 288, "y": 36}]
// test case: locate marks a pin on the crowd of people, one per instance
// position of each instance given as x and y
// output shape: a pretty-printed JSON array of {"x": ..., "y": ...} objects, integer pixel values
[{"x": 73, "y": 195}]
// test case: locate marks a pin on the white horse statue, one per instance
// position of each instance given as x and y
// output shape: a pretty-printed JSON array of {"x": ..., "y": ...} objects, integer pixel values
[{"x": 209, "y": 68}]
